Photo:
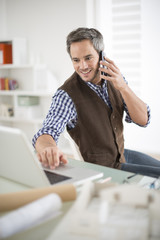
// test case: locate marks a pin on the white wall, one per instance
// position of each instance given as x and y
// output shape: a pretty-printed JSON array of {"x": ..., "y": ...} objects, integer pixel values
[
  {"x": 46, "y": 24},
  {"x": 3, "y": 27}
]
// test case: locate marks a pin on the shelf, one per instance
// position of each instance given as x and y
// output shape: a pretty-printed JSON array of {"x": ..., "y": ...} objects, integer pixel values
[
  {"x": 21, "y": 120},
  {"x": 25, "y": 93},
  {"x": 12, "y": 66},
  {"x": 21, "y": 66},
  {"x": 34, "y": 80}
]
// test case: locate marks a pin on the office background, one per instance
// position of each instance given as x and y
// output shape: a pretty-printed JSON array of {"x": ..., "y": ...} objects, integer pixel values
[{"x": 45, "y": 25}]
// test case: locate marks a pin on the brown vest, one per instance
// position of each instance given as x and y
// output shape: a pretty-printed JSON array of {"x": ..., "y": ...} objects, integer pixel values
[{"x": 99, "y": 130}]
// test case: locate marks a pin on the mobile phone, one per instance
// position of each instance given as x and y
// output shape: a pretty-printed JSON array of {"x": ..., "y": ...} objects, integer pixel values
[{"x": 101, "y": 58}]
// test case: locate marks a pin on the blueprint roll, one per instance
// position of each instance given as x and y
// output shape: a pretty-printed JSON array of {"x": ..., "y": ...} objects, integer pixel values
[
  {"x": 10, "y": 201},
  {"x": 30, "y": 215}
]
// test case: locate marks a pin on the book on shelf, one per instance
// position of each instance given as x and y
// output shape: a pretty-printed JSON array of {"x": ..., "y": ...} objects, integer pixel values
[
  {"x": 8, "y": 84},
  {"x": 13, "y": 84},
  {"x": 2, "y": 83},
  {"x": 5, "y": 53}
]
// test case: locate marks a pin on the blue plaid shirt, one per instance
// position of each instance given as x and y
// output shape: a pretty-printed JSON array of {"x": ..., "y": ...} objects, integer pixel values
[{"x": 63, "y": 113}]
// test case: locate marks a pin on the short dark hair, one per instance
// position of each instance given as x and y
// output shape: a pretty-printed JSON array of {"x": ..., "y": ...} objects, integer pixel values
[{"x": 81, "y": 34}]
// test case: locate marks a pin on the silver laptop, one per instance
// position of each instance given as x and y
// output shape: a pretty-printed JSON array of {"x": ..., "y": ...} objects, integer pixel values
[{"x": 19, "y": 163}]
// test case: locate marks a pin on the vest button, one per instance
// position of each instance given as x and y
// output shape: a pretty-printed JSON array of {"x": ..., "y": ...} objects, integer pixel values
[
  {"x": 113, "y": 117},
  {"x": 115, "y": 128}
]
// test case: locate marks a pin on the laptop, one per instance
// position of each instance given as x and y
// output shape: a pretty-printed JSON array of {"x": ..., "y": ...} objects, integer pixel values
[{"x": 19, "y": 163}]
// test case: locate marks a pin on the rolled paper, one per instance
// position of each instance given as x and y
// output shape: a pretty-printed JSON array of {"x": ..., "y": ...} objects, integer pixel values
[{"x": 10, "y": 201}]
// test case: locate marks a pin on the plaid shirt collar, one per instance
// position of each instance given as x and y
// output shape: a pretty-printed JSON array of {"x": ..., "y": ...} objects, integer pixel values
[{"x": 97, "y": 87}]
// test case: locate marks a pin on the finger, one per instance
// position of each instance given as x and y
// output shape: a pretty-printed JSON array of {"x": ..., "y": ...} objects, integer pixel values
[
  {"x": 113, "y": 68},
  {"x": 39, "y": 157},
  {"x": 111, "y": 62},
  {"x": 108, "y": 71},
  {"x": 50, "y": 158},
  {"x": 44, "y": 159},
  {"x": 63, "y": 159},
  {"x": 108, "y": 77},
  {"x": 108, "y": 59},
  {"x": 106, "y": 65},
  {"x": 56, "y": 158}
]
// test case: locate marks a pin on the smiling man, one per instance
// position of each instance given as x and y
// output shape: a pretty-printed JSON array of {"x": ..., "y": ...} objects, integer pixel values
[{"x": 91, "y": 104}]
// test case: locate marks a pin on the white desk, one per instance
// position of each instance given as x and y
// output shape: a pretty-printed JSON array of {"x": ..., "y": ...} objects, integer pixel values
[{"x": 42, "y": 231}]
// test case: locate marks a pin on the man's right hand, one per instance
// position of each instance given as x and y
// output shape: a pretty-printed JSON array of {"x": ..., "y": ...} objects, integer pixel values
[{"x": 48, "y": 153}]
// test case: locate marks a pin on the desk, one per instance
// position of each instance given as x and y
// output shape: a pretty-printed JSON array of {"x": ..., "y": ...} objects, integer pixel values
[{"x": 42, "y": 231}]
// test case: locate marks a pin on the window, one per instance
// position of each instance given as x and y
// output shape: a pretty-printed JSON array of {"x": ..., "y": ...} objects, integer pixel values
[{"x": 120, "y": 23}]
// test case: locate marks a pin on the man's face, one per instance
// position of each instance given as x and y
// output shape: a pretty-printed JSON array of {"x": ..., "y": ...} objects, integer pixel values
[{"x": 85, "y": 61}]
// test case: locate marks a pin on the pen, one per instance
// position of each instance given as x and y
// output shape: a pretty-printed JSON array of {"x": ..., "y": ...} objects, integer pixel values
[{"x": 131, "y": 176}]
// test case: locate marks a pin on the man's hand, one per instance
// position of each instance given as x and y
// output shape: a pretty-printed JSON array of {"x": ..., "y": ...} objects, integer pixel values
[
  {"x": 114, "y": 74},
  {"x": 48, "y": 153},
  {"x": 136, "y": 107}
]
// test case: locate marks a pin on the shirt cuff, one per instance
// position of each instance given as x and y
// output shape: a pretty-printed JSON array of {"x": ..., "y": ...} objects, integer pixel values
[{"x": 44, "y": 131}]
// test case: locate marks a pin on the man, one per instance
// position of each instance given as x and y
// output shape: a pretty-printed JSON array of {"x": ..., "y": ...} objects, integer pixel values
[{"x": 91, "y": 106}]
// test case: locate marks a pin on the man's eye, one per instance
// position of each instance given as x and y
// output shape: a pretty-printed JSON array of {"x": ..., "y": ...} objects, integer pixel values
[
  {"x": 75, "y": 60},
  {"x": 88, "y": 58}
]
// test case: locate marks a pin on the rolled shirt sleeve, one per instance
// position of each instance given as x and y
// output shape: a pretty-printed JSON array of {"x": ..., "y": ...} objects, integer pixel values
[{"x": 129, "y": 120}]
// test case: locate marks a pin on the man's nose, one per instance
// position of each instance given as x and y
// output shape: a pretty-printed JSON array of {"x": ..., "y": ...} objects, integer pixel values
[{"x": 83, "y": 64}]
